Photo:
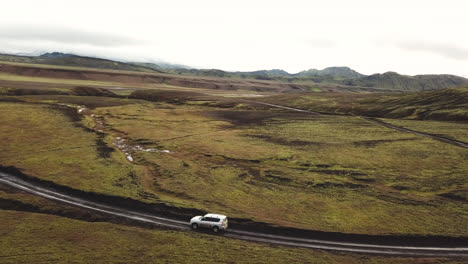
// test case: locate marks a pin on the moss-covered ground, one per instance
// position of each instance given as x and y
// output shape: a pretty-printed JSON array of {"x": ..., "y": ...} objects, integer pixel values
[
  {"x": 329, "y": 173},
  {"x": 320, "y": 172},
  {"x": 27, "y": 237},
  {"x": 452, "y": 130},
  {"x": 443, "y": 105}
]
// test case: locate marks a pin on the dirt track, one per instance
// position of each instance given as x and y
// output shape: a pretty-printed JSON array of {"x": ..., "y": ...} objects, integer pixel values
[
  {"x": 439, "y": 138},
  {"x": 131, "y": 215},
  {"x": 379, "y": 122}
]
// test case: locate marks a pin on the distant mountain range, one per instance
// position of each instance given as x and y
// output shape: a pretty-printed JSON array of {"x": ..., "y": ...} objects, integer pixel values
[
  {"x": 328, "y": 77},
  {"x": 397, "y": 81},
  {"x": 160, "y": 65},
  {"x": 336, "y": 72},
  {"x": 343, "y": 76},
  {"x": 333, "y": 72}
]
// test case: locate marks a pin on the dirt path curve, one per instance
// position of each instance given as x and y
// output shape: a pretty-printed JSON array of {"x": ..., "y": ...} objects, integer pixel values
[
  {"x": 379, "y": 122},
  {"x": 97, "y": 206},
  {"x": 403, "y": 129}
]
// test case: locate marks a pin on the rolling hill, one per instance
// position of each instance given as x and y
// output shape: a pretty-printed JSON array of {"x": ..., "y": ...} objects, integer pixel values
[
  {"x": 393, "y": 80},
  {"x": 339, "y": 76},
  {"x": 63, "y": 59},
  {"x": 328, "y": 79},
  {"x": 335, "y": 72}
]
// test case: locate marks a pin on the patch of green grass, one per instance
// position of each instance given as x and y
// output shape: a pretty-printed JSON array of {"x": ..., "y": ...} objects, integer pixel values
[
  {"x": 44, "y": 142},
  {"x": 316, "y": 90},
  {"x": 444, "y": 105},
  {"x": 454, "y": 130},
  {"x": 21, "y": 78},
  {"x": 327, "y": 173},
  {"x": 34, "y": 237},
  {"x": 120, "y": 88},
  {"x": 29, "y": 237},
  {"x": 74, "y": 68},
  {"x": 88, "y": 101}
]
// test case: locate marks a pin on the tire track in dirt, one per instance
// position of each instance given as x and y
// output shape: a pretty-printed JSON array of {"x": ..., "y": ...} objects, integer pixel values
[
  {"x": 312, "y": 243},
  {"x": 454, "y": 142},
  {"x": 403, "y": 129}
]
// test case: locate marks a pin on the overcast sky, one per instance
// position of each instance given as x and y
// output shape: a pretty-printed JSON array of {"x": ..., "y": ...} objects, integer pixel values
[{"x": 410, "y": 37}]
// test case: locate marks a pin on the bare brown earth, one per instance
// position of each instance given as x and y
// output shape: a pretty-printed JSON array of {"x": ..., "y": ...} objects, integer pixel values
[
  {"x": 131, "y": 79},
  {"x": 127, "y": 77}
]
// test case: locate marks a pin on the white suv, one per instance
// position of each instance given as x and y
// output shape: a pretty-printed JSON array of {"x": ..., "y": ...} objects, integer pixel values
[{"x": 216, "y": 222}]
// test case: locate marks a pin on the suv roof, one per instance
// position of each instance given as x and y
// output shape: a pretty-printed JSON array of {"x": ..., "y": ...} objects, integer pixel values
[{"x": 216, "y": 216}]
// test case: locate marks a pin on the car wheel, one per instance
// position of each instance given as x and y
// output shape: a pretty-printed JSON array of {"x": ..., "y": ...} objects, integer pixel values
[
  {"x": 194, "y": 226},
  {"x": 215, "y": 229}
]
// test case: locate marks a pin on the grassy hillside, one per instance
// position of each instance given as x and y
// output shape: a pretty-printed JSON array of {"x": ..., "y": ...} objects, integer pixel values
[
  {"x": 73, "y": 75},
  {"x": 62, "y": 59},
  {"x": 446, "y": 105},
  {"x": 340, "y": 76},
  {"x": 36, "y": 230},
  {"x": 395, "y": 81},
  {"x": 283, "y": 168},
  {"x": 328, "y": 79},
  {"x": 334, "y": 72},
  {"x": 40, "y": 238}
]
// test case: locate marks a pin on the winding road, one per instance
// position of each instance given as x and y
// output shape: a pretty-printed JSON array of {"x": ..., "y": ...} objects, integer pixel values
[
  {"x": 49, "y": 193},
  {"x": 355, "y": 247}
]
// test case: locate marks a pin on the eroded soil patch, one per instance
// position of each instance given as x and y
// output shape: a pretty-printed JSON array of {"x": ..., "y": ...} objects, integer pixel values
[
  {"x": 373, "y": 143},
  {"x": 252, "y": 117}
]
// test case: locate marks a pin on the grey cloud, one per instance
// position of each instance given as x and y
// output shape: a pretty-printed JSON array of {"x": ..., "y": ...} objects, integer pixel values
[
  {"x": 447, "y": 50},
  {"x": 63, "y": 35}
]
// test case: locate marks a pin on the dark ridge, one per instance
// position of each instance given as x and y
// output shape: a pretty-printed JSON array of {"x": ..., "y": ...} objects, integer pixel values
[
  {"x": 28, "y": 91},
  {"x": 72, "y": 60},
  {"x": 14, "y": 205},
  {"x": 75, "y": 213},
  {"x": 174, "y": 97},
  {"x": 286, "y": 142},
  {"x": 10, "y": 100},
  {"x": 339, "y": 185},
  {"x": 253, "y": 117},
  {"x": 102, "y": 148},
  {"x": 92, "y": 91},
  {"x": 181, "y": 213},
  {"x": 112, "y": 200},
  {"x": 456, "y": 196}
]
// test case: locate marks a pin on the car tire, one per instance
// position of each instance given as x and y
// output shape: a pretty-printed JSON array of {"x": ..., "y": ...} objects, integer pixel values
[
  {"x": 215, "y": 229},
  {"x": 194, "y": 226}
]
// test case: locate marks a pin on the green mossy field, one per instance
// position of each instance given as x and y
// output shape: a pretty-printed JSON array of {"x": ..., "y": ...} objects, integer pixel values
[
  {"x": 44, "y": 237},
  {"x": 442, "y": 105},
  {"x": 39, "y": 238},
  {"x": 320, "y": 172},
  {"x": 452, "y": 130},
  {"x": 213, "y": 151}
]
